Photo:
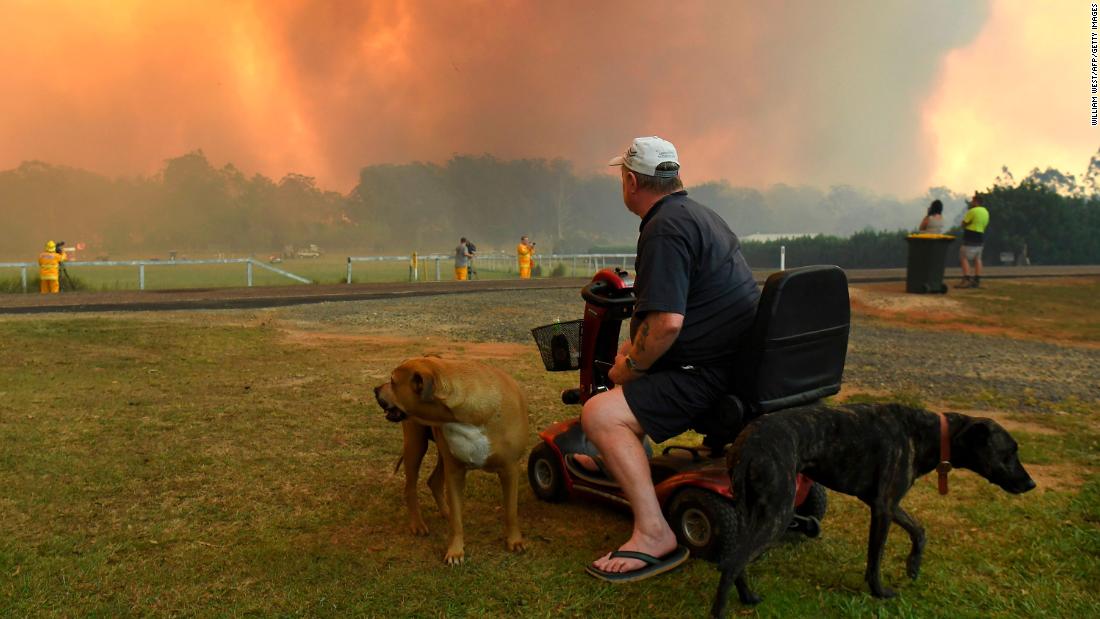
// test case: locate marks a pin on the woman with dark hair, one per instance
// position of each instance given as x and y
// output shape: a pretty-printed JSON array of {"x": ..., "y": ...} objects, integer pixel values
[{"x": 933, "y": 221}]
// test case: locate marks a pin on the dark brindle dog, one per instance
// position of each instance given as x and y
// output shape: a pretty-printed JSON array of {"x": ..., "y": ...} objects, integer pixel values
[{"x": 871, "y": 451}]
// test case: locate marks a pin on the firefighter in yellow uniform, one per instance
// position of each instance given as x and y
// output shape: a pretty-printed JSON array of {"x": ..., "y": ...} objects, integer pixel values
[
  {"x": 523, "y": 252},
  {"x": 48, "y": 263}
]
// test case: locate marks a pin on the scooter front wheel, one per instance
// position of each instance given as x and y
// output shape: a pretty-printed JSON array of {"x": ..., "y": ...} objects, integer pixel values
[{"x": 545, "y": 473}]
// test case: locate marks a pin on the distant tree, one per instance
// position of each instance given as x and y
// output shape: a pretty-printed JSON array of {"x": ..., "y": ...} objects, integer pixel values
[
  {"x": 402, "y": 207},
  {"x": 1091, "y": 182},
  {"x": 1056, "y": 229}
]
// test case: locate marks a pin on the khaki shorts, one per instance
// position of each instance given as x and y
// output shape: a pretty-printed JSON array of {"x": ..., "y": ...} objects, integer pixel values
[{"x": 970, "y": 252}]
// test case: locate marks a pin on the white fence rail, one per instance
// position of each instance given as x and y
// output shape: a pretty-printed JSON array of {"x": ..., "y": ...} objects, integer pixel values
[
  {"x": 141, "y": 264},
  {"x": 427, "y": 264},
  {"x": 424, "y": 267},
  {"x": 572, "y": 264}
]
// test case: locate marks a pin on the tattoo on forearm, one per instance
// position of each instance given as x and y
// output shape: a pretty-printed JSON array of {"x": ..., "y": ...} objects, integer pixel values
[{"x": 643, "y": 332}]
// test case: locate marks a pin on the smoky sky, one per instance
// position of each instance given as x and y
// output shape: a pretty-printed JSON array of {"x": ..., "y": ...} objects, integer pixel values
[{"x": 820, "y": 93}]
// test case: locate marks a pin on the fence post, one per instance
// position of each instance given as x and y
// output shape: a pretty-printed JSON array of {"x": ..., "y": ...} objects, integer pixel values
[
  {"x": 23, "y": 275},
  {"x": 413, "y": 274},
  {"x": 248, "y": 268},
  {"x": 782, "y": 257},
  {"x": 141, "y": 277},
  {"x": 437, "y": 270},
  {"x": 349, "y": 269}
]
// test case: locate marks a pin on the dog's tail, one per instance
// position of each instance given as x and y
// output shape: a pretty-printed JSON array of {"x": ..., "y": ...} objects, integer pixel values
[{"x": 397, "y": 465}]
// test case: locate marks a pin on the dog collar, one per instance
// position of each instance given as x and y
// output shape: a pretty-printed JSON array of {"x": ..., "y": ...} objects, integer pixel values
[{"x": 944, "y": 467}]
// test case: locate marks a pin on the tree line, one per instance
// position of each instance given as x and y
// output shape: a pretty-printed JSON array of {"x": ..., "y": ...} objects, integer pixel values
[{"x": 191, "y": 205}]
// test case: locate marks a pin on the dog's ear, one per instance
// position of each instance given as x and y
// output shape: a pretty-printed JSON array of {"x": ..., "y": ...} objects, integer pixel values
[
  {"x": 429, "y": 381},
  {"x": 423, "y": 383},
  {"x": 978, "y": 432}
]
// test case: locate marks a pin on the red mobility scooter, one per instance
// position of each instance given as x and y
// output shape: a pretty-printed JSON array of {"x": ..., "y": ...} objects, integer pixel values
[{"x": 793, "y": 355}]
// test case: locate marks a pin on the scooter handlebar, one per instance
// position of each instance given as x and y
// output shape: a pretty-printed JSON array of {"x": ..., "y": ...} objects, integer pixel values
[{"x": 599, "y": 293}]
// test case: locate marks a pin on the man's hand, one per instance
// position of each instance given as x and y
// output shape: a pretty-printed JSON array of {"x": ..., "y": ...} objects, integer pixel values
[
  {"x": 620, "y": 373},
  {"x": 655, "y": 335}
]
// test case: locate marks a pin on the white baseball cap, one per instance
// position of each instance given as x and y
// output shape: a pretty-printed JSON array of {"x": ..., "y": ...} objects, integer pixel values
[{"x": 645, "y": 154}]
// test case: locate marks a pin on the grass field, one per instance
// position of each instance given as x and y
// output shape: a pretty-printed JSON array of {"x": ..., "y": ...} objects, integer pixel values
[
  {"x": 324, "y": 270},
  {"x": 221, "y": 463}
]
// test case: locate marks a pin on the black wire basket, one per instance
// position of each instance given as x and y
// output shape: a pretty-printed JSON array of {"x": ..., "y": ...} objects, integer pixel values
[{"x": 560, "y": 345}]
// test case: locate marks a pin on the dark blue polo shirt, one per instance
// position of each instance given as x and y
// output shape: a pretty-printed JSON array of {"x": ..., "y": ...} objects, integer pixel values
[{"x": 689, "y": 262}]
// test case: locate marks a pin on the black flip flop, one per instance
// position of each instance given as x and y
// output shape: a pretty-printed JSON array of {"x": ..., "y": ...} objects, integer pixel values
[{"x": 653, "y": 566}]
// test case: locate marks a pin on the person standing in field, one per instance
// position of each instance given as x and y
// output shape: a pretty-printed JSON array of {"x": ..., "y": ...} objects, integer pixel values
[
  {"x": 49, "y": 265},
  {"x": 933, "y": 221},
  {"x": 472, "y": 271},
  {"x": 974, "y": 224},
  {"x": 462, "y": 260},
  {"x": 524, "y": 251}
]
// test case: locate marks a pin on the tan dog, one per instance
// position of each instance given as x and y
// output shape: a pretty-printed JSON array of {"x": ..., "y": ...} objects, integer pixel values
[{"x": 478, "y": 418}]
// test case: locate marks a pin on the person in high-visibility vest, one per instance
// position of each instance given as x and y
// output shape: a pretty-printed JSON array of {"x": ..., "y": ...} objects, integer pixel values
[
  {"x": 48, "y": 268},
  {"x": 462, "y": 260},
  {"x": 524, "y": 251},
  {"x": 974, "y": 224}
]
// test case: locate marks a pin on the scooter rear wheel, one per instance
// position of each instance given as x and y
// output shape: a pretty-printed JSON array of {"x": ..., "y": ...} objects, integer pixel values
[{"x": 700, "y": 519}]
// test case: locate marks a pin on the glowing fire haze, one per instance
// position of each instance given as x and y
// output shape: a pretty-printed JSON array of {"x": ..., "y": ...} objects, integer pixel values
[{"x": 885, "y": 96}]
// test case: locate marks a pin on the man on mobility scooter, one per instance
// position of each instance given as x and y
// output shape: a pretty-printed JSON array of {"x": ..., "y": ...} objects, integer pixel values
[
  {"x": 792, "y": 355},
  {"x": 695, "y": 298}
]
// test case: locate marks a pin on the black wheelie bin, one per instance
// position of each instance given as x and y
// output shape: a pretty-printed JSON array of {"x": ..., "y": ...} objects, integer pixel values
[{"x": 925, "y": 265}]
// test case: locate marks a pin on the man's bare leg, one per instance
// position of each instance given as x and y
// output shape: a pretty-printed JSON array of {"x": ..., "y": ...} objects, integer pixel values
[
  {"x": 965, "y": 282},
  {"x": 612, "y": 427}
]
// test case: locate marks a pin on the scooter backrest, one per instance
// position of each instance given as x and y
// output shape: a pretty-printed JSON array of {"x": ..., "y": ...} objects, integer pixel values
[{"x": 794, "y": 353}]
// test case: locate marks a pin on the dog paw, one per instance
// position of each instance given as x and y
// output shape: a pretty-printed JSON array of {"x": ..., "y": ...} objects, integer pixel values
[
  {"x": 418, "y": 528},
  {"x": 750, "y": 599},
  {"x": 454, "y": 557},
  {"x": 912, "y": 567},
  {"x": 885, "y": 593},
  {"x": 517, "y": 545}
]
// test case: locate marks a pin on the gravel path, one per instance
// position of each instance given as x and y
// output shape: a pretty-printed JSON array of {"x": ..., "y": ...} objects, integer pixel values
[
  {"x": 1028, "y": 372},
  {"x": 934, "y": 365}
]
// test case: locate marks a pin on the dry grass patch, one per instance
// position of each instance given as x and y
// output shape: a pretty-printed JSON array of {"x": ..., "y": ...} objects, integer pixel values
[
  {"x": 1058, "y": 477},
  {"x": 1057, "y": 310},
  {"x": 891, "y": 298}
]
